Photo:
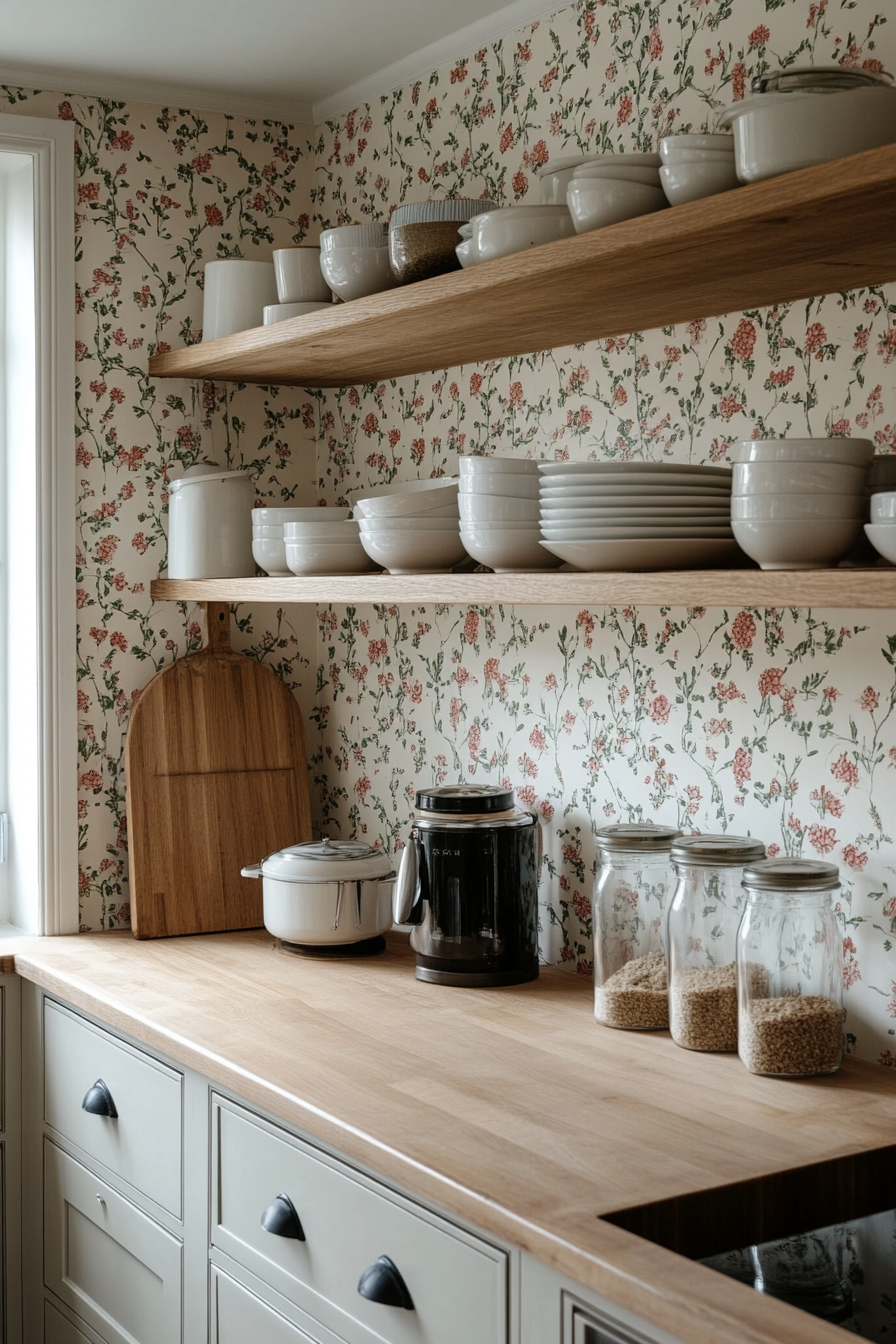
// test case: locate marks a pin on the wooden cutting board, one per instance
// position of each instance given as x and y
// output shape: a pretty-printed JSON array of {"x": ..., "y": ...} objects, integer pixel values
[{"x": 216, "y": 779}]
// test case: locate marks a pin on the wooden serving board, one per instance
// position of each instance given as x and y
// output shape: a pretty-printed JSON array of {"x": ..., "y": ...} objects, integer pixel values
[{"x": 216, "y": 779}]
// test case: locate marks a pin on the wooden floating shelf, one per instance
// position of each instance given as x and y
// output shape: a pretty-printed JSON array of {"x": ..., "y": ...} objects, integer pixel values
[
  {"x": 816, "y": 231},
  {"x": 855, "y": 588}
]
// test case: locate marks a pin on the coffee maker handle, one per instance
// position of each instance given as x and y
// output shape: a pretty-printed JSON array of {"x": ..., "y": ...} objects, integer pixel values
[{"x": 405, "y": 891}]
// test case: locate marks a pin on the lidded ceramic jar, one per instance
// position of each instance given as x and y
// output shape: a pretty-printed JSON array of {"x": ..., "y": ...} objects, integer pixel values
[
  {"x": 790, "y": 969},
  {"x": 701, "y": 938},
  {"x": 629, "y": 906},
  {"x": 209, "y": 533}
]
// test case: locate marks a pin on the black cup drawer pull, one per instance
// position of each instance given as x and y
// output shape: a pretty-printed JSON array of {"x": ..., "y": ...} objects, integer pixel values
[
  {"x": 98, "y": 1101},
  {"x": 281, "y": 1219},
  {"x": 383, "y": 1283}
]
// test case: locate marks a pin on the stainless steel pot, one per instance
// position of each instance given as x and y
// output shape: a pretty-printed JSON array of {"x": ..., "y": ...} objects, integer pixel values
[{"x": 327, "y": 892}]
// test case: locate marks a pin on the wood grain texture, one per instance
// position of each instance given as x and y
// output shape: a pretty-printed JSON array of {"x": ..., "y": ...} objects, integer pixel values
[
  {"x": 508, "y": 1108},
  {"x": 812, "y": 232},
  {"x": 216, "y": 779},
  {"x": 853, "y": 588}
]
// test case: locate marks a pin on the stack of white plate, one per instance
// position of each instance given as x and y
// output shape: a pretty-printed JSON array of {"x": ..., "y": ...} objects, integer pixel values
[
  {"x": 412, "y": 527},
  {"x": 268, "y": 541},
  {"x": 636, "y": 515},
  {"x": 315, "y": 547},
  {"x": 499, "y": 513}
]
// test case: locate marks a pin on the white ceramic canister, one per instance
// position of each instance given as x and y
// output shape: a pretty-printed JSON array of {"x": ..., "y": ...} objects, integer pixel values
[
  {"x": 209, "y": 532},
  {"x": 326, "y": 892},
  {"x": 236, "y": 295},
  {"x": 299, "y": 278}
]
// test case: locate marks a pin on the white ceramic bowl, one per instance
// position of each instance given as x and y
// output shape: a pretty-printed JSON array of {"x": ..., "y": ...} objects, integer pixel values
[
  {"x": 508, "y": 551},
  {"x": 267, "y": 516},
  {"x": 355, "y": 272},
  {"x": 282, "y": 312},
  {"x": 627, "y": 159},
  {"x": 298, "y": 274},
  {"x": 846, "y": 452},
  {"x": 496, "y": 525},
  {"x": 780, "y": 132},
  {"x": 621, "y": 172},
  {"x": 355, "y": 235},
  {"x": 499, "y": 233},
  {"x": 313, "y": 531},
  {"x": 883, "y": 507},
  {"x": 511, "y": 487},
  {"x": 798, "y": 506},
  {"x": 795, "y": 543},
  {"x": 416, "y": 523},
  {"x": 496, "y": 508},
  {"x": 883, "y": 538},
  {"x": 794, "y": 478},
  {"x": 406, "y": 497},
  {"x": 597, "y": 203},
  {"x": 683, "y": 182},
  {"x": 505, "y": 466},
  {"x": 555, "y": 177},
  {"x": 269, "y": 533},
  {"x": 269, "y": 554},
  {"x": 467, "y": 253},
  {"x": 673, "y": 146},
  {"x": 326, "y": 557},
  {"x": 420, "y": 551}
]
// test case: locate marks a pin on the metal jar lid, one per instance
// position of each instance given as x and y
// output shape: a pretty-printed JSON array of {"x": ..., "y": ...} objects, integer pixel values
[
  {"x": 465, "y": 799},
  {"x": 791, "y": 875},
  {"x": 819, "y": 79},
  {"x": 643, "y": 835},
  {"x": 717, "y": 851}
]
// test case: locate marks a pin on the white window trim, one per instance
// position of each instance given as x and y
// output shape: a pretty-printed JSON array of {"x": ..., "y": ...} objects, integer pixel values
[{"x": 51, "y": 146}]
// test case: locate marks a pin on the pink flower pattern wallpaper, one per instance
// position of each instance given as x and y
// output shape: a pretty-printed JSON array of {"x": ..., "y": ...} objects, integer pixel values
[{"x": 777, "y": 723}]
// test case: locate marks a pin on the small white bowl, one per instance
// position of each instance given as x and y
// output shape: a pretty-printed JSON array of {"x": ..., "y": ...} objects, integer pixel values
[
  {"x": 269, "y": 533},
  {"x": 415, "y": 552},
  {"x": 490, "y": 466},
  {"x": 684, "y": 182},
  {"x": 476, "y": 508},
  {"x": 298, "y": 275},
  {"x": 555, "y": 177},
  {"x": 620, "y": 172},
  {"x": 355, "y": 235},
  {"x": 467, "y": 253},
  {"x": 499, "y": 233},
  {"x": 269, "y": 554},
  {"x": 282, "y": 312},
  {"x": 269, "y": 516},
  {"x": 883, "y": 507},
  {"x": 599, "y": 202},
  {"x": 846, "y": 452},
  {"x": 406, "y": 497},
  {"x": 673, "y": 145},
  {"x": 416, "y": 523},
  {"x": 795, "y": 543},
  {"x": 312, "y": 531},
  {"x": 326, "y": 557},
  {"x": 355, "y": 272},
  {"x": 495, "y": 526},
  {"x": 512, "y": 487},
  {"x": 883, "y": 538},
  {"x": 628, "y": 159},
  {"x": 794, "y": 478},
  {"x": 798, "y": 506},
  {"x": 506, "y": 552}
]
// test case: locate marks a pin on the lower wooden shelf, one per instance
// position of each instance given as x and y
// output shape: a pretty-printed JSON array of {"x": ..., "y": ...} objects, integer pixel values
[{"x": 856, "y": 588}]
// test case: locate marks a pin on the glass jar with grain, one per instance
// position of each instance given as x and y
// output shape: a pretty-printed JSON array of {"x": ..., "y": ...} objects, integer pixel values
[
  {"x": 790, "y": 969},
  {"x": 702, "y": 937},
  {"x": 629, "y": 902}
]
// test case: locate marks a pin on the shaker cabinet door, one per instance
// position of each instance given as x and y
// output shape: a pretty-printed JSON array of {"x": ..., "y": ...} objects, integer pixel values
[
  {"x": 59, "y": 1330},
  {"x": 239, "y": 1317},
  {"x": 106, "y": 1260}
]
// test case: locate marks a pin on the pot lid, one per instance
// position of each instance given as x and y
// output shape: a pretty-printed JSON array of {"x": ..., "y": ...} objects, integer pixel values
[
  {"x": 818, "y": 79},
  {"x": 205, "y": 478},
  {"x": 327, "y": 860},
  {"x": 717, "y": 851},
  {"x": 645, "y": 835},
  {"x": 785, "y": 875},
  {"x": 467, "y": 799}
]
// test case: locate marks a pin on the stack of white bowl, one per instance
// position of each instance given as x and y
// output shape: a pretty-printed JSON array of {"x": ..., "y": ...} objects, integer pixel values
[
  {"x": 327, "y": 544},
  {"x": 269, "y": 542},
  {"x": 301, "y": 286},
  {"x": 354, "y": 260},
  {"x": 881, "y": 531},
  {"x": 636, "y": 515},
  {"x": 799, "y": 503},
  {"x": 499, "y": 513},
  {"x": 696, "y": 165},
  {"x": 411, "y": 528},
  {"x": 614, "y": 187}
]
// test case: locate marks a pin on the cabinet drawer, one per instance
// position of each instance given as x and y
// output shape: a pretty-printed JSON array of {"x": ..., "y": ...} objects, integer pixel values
[
  {"x": 458, "y": 1283},
  {"x": 144, "y": 1144},
  {"x": 239, "y": 1317},
  {"x": 106, "y": 1260},
  {"x": 58, "y": 1330}
]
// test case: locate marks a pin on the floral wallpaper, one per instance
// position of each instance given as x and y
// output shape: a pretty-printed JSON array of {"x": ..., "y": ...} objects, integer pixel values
[{"x": 777, "y": 723}]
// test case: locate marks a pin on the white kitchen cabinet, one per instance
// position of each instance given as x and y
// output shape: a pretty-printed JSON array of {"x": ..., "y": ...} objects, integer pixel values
[
  {"x": 58, "y": 1329},
  {"x": 10, "y": 1160},
  {"x": 239, "y": 1316}
]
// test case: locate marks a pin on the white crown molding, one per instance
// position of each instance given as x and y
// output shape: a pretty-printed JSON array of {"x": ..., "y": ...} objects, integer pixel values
[
  {"x": 421, "y": 63},
  {"x": 195, "y": 99}
]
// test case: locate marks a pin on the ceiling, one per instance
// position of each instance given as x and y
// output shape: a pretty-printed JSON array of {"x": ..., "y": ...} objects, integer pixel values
[{"x": 304, "y": 60}]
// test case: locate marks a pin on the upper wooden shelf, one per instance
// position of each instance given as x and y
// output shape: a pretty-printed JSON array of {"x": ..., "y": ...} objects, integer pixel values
[
  {"x": 857, "y": 588},
  {"x": 816, "y": 231}
]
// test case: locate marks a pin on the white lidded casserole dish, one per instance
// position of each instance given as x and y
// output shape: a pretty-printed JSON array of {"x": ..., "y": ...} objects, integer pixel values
[{"x": 326, "y": 892}]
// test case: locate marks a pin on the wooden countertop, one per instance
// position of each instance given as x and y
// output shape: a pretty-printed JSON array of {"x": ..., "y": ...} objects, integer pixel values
[{"x": 509, "y": 1108}]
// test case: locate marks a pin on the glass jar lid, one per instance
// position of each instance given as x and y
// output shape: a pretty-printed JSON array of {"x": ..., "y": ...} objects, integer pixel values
[
  {"x": 465, "y": 799},
  {"x": 717, "y": 851},
  {"x": 818, "y": 79},
  {"x": 786, "y": 875},
  {"x": 643, "y": 835}
]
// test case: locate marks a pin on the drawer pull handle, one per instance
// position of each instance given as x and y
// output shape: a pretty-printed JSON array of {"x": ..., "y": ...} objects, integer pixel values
[
  {"x": 383, "y": 1283},
  {"x": 281, "y": 1219},
  {"x": 99, "y": 1101}
]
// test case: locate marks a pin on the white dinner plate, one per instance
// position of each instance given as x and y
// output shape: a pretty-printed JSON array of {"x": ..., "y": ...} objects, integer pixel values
[
  {"x": 632, "y": 468},
  {"x": 671, "y": 553},
  {"x": 606, "y": 533},
  {"x": 608, "y": 499},
  {"x": 656, "y": 477},
  {"x": 632, "y": 513},
  {"x": 555, "y": 493}
]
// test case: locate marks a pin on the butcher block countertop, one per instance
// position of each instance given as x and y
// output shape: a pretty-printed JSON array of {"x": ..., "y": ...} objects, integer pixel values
[{"x": 509, "y": 1108}]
